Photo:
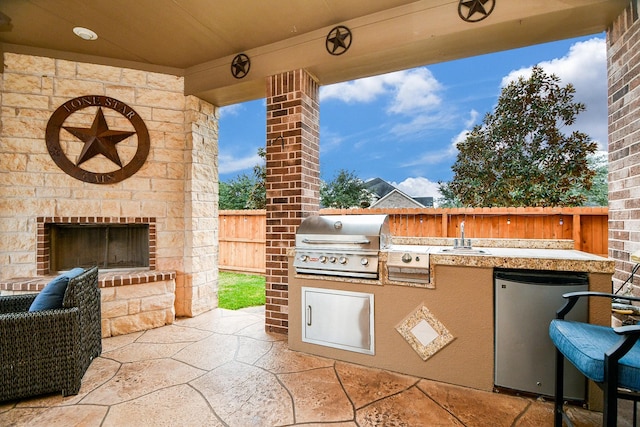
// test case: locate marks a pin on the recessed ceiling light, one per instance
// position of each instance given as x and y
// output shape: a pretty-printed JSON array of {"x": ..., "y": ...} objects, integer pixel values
[{"x": 85, "y": 33}]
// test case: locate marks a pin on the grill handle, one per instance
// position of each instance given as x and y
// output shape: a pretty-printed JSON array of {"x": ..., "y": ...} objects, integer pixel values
[{"x": 335, "y": 242}]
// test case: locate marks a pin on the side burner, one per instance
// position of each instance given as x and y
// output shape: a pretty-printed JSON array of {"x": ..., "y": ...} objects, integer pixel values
[{"x": 407, "y": 263}]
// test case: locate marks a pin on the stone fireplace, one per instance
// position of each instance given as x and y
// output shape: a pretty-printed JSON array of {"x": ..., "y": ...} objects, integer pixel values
[{"x": 153, "y": 234}]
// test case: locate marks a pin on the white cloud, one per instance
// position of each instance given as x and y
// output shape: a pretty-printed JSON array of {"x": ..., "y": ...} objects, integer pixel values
[
  {"x": 421, "y": 122},
  {"x": 419, "y": 187},
  {"x": 473, "y": 118},
  {"x": 358, "y": 91},
  {"x": 330, "y": 140},
  {"x": 585, "y": 67},
  {"x": 453, "y": 148},
  {"x": 231, "y": 110},
  {"x": 447, "y": 153},
  {"x": 411, "y": 90},
  {"x": 229, "y": 164},
  {"x": 418, "y": 90},
  {"x": 414, "y": 94}
]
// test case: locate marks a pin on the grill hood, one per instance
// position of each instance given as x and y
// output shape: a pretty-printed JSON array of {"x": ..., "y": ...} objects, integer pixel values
[{"x": 366, "y": 232}]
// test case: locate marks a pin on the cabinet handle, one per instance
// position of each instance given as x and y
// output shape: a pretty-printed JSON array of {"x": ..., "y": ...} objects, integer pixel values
[{"x": 308, "y": 315}]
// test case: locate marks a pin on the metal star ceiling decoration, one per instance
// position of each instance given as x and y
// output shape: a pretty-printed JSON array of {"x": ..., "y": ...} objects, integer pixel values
[
  {"x": 99, "y": 139},
  {"x": 475, "y": 10},
  {"x": 240, "y": 66},
  {"x": 338, "y": 40}
]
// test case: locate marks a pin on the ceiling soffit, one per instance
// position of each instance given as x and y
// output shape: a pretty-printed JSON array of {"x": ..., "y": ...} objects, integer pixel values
[
  {"x": 194, "y": 39},
  {"x": 413, "y": 35}
]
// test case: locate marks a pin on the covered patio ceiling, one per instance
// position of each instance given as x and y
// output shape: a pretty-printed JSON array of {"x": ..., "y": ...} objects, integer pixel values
[{"x": 198, "y": 39}]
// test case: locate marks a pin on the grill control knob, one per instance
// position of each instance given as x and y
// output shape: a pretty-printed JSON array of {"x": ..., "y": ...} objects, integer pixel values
[
  {"x": 342, "y": 260},
  {"x": 333, "y": 260},
  {"x": 323, "y": 259},
  {"x": 406, "y": 258},
  {"x": 304, "y": 258},
  {"x": 364, "y": 261}
]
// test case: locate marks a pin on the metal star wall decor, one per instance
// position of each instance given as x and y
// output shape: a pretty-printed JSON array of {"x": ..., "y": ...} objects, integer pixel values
[
  {"x": 475, "y": 10},
  {"x": 98, "y": 139},
  {"x": 240, "y": 66},
  {"x": 338, "y": 40}
]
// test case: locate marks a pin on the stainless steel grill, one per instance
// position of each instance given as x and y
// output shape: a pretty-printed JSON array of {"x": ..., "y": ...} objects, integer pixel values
[{"x": 341, "y": 245}]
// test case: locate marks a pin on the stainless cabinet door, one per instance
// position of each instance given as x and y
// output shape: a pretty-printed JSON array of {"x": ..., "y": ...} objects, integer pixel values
[{"x": 339, "y": 319}]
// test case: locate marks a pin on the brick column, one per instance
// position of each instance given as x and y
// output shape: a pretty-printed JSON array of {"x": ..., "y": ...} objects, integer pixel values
[
  {"x": 623, "y": 44},
  {"x": 293, "y": 179}
]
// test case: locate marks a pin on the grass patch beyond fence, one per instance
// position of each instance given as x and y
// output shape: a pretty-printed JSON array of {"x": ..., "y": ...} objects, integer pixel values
[{"x": 237, "y": 290}]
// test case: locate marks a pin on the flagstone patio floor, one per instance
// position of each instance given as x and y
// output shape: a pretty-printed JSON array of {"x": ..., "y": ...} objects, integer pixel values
[{"x": 222, "y": 369}]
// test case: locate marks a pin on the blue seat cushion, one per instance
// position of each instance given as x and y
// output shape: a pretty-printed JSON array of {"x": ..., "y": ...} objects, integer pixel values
[
  {"x": 52, "y": 295},
  {"x": 584, "y": 345}
]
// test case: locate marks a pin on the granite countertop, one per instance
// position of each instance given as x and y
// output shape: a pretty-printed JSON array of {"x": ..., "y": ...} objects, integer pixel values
[
  {"x": 550, "y": 255},
  {"x": 490, "y": 243},
  {"x": 529, "y": 254},
  {"x": 524, "y": 258}
]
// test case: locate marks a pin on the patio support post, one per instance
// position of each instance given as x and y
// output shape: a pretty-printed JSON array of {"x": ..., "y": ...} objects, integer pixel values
[
  {"x": 293, "y": 179},
  {"x": 623, "y": 42}
]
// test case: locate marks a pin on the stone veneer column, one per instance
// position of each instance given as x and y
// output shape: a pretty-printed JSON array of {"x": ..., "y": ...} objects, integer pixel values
[
  {"x": 197, "y": 291},
  {"x": 293, "y": 179},
  {"x": 623, "y": 66}
]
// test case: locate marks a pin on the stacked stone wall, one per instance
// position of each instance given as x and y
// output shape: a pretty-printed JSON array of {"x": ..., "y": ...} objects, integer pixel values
[{"x": 177, "y": 185}]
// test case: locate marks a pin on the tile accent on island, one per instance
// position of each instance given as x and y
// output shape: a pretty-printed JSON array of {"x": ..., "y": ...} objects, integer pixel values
[{"x": 424, "y": 332}]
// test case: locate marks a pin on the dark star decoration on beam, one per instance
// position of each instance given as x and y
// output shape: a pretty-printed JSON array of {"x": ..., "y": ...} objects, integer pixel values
[
  {"x": 240, "y": 66},
  {"x": 476, "y": 10},
  {"x": 99, "y": 139},
  {"x": 338, "y": 40}
]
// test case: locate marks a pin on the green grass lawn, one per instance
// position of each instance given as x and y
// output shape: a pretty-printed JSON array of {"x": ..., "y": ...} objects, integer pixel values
[{"x": 237, "y": 290}]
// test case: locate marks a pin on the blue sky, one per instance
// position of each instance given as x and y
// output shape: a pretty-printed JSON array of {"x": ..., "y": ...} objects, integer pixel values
[{"x": 403, "y": 126}]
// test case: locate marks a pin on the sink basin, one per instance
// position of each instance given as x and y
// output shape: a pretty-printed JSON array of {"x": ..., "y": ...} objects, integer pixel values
[{"x": 463, "y": 251}]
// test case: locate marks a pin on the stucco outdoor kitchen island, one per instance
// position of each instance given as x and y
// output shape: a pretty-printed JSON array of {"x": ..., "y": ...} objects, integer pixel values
[{"x": 442, "y": 329}]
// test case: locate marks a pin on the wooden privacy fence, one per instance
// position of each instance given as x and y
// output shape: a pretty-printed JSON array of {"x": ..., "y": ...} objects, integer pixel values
[
  {"x": 242, "y": 241},
  {"x": 242, "y": 233}
]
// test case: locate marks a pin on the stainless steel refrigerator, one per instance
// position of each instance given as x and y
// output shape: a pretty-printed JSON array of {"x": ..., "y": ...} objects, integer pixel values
[{"x": 525, "y": 302}]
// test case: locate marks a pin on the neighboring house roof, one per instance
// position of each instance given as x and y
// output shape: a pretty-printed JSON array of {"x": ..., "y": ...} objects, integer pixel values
[
  {"x": 379, "y": 187},
  {"x": 426, "y": 201},
  {"x": 396, "y": 199},
  {"x": 385, "y": 195}
]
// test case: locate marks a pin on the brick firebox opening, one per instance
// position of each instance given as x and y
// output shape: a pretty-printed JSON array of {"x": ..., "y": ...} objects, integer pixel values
[{"x": 140, "y": 227}]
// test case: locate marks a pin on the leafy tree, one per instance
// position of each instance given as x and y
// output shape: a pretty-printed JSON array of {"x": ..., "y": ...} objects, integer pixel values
[
  {"x": 598, "y": 195},
  {"x": 448, "y": 199},
  {"x": 346, "y": 190},
  {"x": 258, "y": 196},
  {"x": 235, "y": 193},
  {"x": 518, "y": 156},
  {"x": 244, "y": 191}
]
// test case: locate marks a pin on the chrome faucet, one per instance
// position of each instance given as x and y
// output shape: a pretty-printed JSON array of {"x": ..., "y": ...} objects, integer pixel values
[{"x": 462, "y": 243}]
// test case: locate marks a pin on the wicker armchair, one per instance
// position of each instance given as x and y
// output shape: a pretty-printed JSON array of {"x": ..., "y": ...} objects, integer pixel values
[{"x": 49, "y": 351}]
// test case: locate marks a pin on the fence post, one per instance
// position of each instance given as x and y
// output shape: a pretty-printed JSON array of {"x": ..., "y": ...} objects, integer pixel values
[
  {"x": 445, "y": 225},
  {"x": 577, "y": 232}
]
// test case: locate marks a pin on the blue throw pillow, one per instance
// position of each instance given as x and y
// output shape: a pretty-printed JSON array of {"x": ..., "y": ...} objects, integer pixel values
[{"x": 52, "y": 295}]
